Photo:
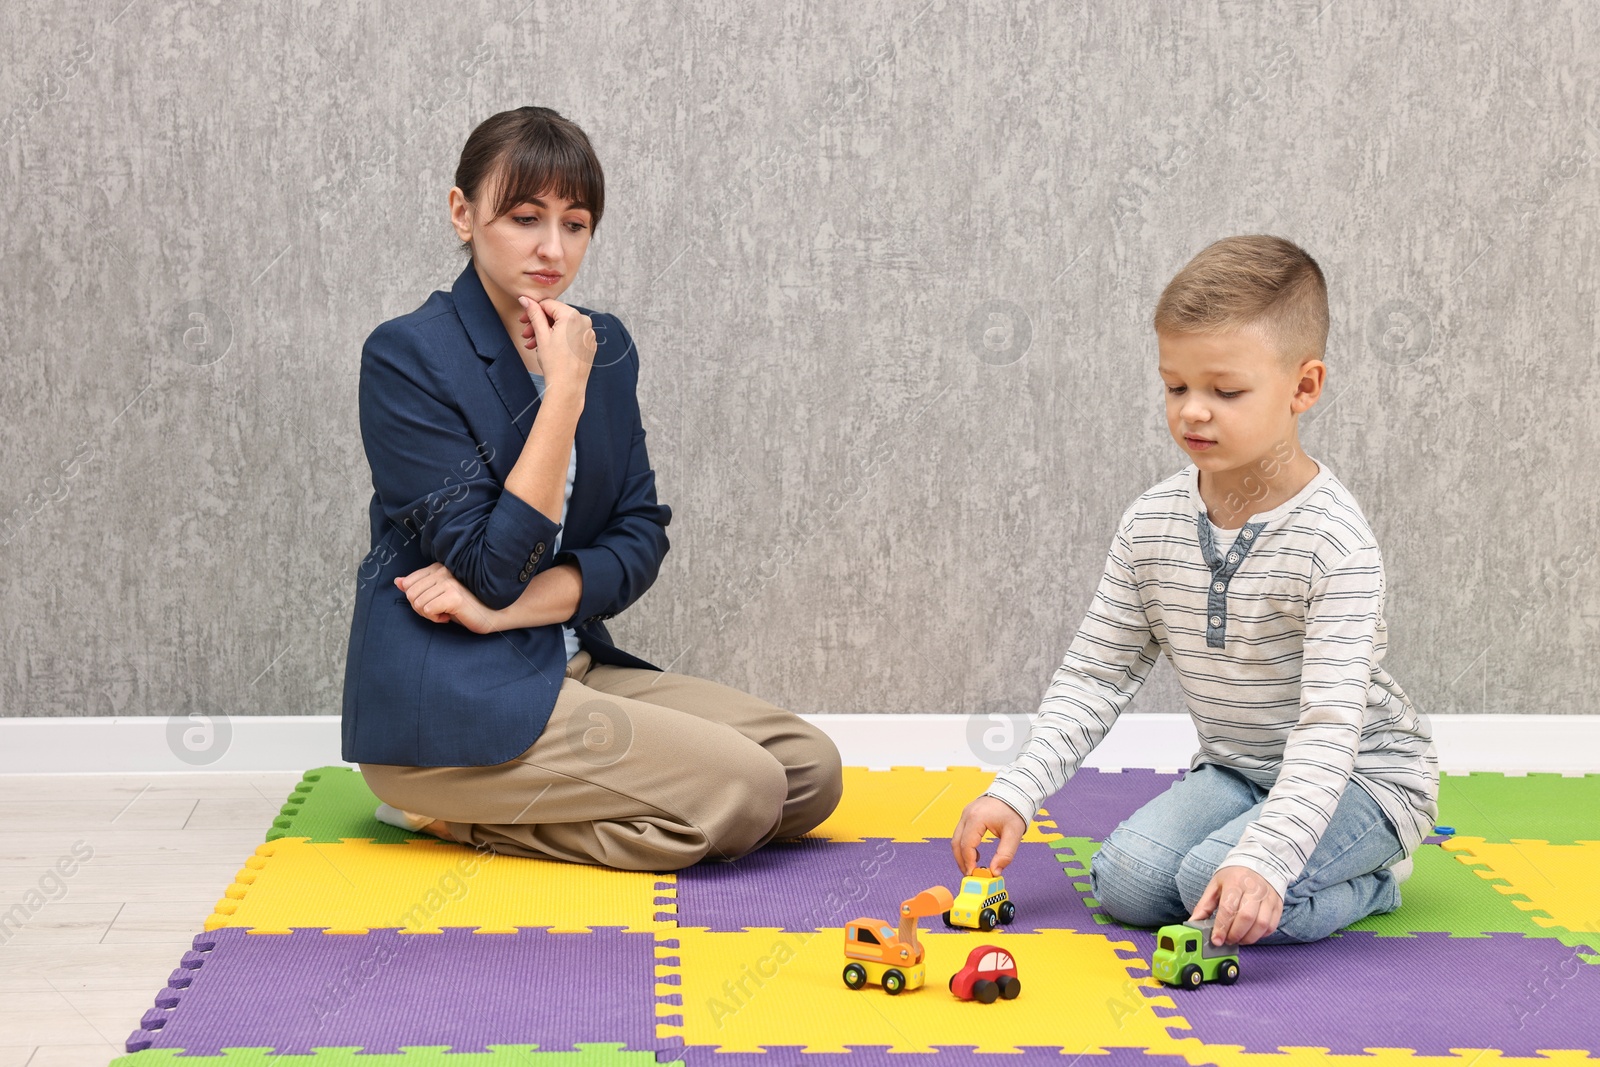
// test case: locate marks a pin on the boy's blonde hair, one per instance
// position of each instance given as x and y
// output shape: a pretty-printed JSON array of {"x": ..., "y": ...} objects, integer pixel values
[{"x": 1251, "y": 280}]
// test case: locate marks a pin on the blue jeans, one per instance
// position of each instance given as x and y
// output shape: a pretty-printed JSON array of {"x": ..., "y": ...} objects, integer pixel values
[{"x": 1155, "y": 865}]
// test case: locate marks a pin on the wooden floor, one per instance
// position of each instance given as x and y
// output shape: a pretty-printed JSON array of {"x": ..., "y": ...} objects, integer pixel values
[{"x": 79, "y": 971}]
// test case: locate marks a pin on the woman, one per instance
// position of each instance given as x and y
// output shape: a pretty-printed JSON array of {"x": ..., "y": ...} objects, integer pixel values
[{"x": 514, "y": 511}]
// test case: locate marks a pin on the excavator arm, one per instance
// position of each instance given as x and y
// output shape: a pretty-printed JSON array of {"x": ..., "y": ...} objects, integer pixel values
[{"x": 933, "y": 901}]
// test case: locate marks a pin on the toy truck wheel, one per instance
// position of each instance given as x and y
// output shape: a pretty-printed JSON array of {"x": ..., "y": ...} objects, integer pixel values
[
  {"x": 855, "y": 975},
  {"x": 986, "y": 919},
  {"x": 893, "y": 981},
  {"x": 1008, "y": 913},
  {"x": 985, "y": 991},
  {"x": 1009, "y": 987},
  {"x": 947, "y": 921},
  {"x": 1228, "y": 973},
  {"x": 1190, "y": 977}
]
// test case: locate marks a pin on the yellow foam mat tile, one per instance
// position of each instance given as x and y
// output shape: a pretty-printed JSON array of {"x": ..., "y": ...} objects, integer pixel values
[
  {"x": 1562, "y": 881},
  {"x": 420, "y": 886},
  {"x": 742, "y": 991},
  {"x": 910, "y": 804}
]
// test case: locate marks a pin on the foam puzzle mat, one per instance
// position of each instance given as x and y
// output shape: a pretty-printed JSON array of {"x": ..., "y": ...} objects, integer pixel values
[{"x": 343, "y": 942}]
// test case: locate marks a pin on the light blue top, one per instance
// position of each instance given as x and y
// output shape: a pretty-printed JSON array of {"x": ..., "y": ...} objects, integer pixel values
[{"x": 569, "y": 635}]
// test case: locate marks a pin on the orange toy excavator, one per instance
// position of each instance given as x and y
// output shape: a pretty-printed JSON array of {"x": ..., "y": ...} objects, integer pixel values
[{"x": 890, "y": 957}]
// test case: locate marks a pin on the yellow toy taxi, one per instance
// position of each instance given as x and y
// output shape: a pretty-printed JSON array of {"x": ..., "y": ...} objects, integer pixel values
[{"x": 982, "y": 903}]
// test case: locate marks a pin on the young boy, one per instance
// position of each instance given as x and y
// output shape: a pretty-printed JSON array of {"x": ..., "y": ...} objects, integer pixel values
[{"x": 1255, "y": 573}]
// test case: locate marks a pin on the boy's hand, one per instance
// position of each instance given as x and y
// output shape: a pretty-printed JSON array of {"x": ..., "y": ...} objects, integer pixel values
[
  {"x": 992, "y": 815},
  {"x": 437, "y": 596},
  {"x": 1247, "y": 907}
]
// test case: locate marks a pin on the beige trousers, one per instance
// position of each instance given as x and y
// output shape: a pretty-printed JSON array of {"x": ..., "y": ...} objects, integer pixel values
[{"x": 639, "y": 770}]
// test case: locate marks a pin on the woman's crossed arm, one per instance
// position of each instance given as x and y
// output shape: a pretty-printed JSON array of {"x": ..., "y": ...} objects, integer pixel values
[{"x": 550, "y": 596}]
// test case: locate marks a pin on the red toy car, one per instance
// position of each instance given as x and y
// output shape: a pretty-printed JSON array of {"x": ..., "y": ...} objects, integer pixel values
[{"x": 990, "y": 973}]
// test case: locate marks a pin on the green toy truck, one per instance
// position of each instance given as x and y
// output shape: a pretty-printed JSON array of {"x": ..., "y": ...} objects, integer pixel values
[{"x": 1186, "y": 957}]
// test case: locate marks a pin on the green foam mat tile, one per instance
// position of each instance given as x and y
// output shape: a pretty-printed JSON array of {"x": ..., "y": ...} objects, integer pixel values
[
  {"x": 497, "y": 1056},
  {"x": 1540, "y": 807},
  {"x": 332, "y": 804},
  {"x": 1444, "y": 895},
  {"x": 1074, "y": 854}
]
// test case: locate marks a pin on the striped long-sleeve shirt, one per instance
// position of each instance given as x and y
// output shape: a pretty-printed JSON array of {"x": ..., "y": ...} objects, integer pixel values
[{"x": 1277, "y": 634}]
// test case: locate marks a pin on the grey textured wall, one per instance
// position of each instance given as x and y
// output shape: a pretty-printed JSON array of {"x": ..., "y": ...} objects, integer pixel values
[{"x": 889, "y": 266}]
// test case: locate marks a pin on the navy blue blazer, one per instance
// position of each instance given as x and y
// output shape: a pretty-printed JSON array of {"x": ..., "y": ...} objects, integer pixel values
[{"x": 446, "y": 406}]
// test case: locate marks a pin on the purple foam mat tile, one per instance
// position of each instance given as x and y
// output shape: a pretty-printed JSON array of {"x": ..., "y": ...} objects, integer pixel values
[
  {"x": 665, "y": 902},
  {"x": 1143, "y": 942},
  {"x": 813, "y": 884},
  {"x": 382, "y": 991},
  {"x": 178, "y": 982},
  {"x": 880, "y": 1056},
  {"x": 1093, "y": 802},
  {"x": 1430, "y": 993}
]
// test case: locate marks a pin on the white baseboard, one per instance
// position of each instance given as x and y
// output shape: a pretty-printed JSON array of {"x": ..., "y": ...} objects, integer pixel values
[{"x": 1568, "y": 744}]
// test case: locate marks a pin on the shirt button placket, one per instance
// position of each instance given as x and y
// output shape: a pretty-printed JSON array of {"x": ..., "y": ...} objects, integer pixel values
[
  {"x": 1217, "y": 598},
  {"x": 1218, "y": 603}
]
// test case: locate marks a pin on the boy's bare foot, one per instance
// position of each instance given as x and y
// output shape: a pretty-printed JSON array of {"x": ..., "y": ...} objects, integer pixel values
[{"x": 438, "y": 829}]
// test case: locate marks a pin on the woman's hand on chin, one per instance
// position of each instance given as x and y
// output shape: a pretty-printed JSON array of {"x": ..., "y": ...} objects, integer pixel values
[
  {"x": 566, "y": 344},
  {"x": 437, "y": 596}
]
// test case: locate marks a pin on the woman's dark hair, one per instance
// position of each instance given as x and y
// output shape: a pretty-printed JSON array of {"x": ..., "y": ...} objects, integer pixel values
[{"x": 537, "y": 152}]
